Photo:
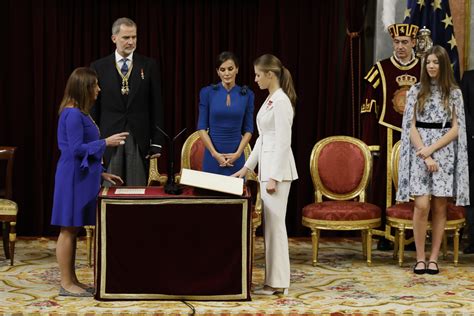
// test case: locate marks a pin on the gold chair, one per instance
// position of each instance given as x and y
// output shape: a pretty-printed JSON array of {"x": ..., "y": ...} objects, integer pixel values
[
  {"x": 191, "y": 158},
  {"x": 90, "y": 230},
  {"x": 400, "y": 217},
  {"x": 340, "y": 168},
  {"x": 154, "y": 176},
  {"x": 8, "y": 208}
]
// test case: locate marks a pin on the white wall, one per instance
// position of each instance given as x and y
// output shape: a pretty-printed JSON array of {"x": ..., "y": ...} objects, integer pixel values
[{"x": 383, "y": 42}]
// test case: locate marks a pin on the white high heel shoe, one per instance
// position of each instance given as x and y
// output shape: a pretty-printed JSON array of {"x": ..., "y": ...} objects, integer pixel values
[{"x": 268, "y": 290}]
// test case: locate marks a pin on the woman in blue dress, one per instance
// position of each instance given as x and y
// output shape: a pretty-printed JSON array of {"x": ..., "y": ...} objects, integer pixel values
[
  {"x": 225, "y": 122},
  {"x": 78, "y": 173}
]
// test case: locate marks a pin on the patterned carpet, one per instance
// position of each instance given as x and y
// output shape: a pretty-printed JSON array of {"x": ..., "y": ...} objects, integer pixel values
[{"x": 341, "y": 285}]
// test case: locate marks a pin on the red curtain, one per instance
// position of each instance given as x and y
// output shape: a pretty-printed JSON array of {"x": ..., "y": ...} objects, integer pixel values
[
  {"x": 46, "y": 39},
  {"x": 354, "y": 12}
]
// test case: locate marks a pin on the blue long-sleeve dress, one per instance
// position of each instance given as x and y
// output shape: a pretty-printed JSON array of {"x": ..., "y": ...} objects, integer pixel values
[
  {"x": 79, "y": 169},
  {"x": 226, "y": 123}
]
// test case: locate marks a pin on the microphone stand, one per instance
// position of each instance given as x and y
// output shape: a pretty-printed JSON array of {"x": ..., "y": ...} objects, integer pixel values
[{"x": 171, "y": 187}]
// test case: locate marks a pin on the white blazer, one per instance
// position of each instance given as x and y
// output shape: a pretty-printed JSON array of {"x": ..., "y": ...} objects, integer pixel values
[{"x": 272, "y": 150}]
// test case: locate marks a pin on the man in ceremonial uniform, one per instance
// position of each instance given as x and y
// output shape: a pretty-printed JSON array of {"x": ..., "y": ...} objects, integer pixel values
[
  {"x": 130, "y": 100},
  {"x": 387, "y": 84}
]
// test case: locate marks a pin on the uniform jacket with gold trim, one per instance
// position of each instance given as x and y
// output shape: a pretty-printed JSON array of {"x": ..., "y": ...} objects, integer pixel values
[{"x": 387, "y": 84}]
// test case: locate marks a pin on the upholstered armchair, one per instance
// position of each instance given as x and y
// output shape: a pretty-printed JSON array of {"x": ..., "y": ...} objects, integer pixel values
[
  {"x": 400, "y": 218},
  {"x": 340, "y": 168},
  {"x": 8, "y": 208}
]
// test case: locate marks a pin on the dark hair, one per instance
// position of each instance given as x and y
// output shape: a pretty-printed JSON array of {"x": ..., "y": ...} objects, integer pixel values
[
  {"x": 445, "y": 79},
  {"x": 79, "y": 90},
  {"x": 271, "y": 63},
  {"x": 225, "y": 56}
]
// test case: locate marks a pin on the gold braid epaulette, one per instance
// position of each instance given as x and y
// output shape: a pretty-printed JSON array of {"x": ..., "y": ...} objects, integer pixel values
[{"x": 372, "y": 75}]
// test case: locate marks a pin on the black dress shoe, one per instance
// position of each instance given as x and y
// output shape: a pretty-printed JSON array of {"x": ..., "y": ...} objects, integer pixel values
[
  {"x": 432, "y": 271},
  {"x": 419, "y": 271},
  {"x": 384, "y": 245},
  {"x": 469, "y": 249}
]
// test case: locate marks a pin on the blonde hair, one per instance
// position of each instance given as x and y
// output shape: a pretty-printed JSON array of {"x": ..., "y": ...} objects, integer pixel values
[
  {"x": 271, "y": 63},
  {"x": 445, "y": 80},
  {"x": 79, "y": 90}
]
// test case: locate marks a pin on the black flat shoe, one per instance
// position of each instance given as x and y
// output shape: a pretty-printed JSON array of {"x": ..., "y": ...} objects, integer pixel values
[
  {"x": 432, "y": 271},
  {"x": 419, "y": 271}
]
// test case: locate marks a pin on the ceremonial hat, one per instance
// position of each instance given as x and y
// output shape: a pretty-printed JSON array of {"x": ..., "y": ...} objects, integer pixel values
[{"x": 403, "y": 29}]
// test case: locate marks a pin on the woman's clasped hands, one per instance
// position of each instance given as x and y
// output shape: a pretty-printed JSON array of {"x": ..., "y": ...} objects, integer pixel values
[{"x": 226, "y": 160}]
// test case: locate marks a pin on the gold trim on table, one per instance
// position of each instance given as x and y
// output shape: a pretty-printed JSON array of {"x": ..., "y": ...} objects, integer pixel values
[{"x": 103, "y": 248}]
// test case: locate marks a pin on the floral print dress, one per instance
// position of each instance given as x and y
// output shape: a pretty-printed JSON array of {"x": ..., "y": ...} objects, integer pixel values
[{"x": 452, "y": 178}]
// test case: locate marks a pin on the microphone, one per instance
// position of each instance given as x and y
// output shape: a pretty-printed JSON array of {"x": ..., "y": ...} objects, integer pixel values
[{"x": 171, "y": 187}]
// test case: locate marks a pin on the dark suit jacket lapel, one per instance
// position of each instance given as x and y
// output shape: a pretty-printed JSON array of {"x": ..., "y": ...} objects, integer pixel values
[
  {"x": 135, "y": 78},
  {"x": 111, "y": 68}
]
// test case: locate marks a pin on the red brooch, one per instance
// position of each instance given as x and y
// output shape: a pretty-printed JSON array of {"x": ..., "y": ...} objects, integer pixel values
[{"x": 269, "y": 104}]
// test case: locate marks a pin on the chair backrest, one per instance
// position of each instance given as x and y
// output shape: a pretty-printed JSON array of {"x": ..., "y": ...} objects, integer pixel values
[
  {"x": 192, "y": 154},
  {"x": 340, "y": 168},
  {"x": 7, "y": 154},
  {"x": 394, "y": 164}
]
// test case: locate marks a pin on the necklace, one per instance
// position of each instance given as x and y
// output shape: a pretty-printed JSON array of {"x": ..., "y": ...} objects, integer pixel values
[{"x": 125, "y": 88}]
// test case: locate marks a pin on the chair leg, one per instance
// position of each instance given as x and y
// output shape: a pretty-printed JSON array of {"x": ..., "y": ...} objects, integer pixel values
[
  {"x": 254, "y": 234},
  {"x": 456, "y": 246},
  {"x": 89, "y": 235},
  {"x": 401, "y": 246},
  {"x": 364, "y": 242},
  {"x": 5, "y": 230},
  {"x": 12, "y": 237},
  {"x": 396, "y": 243},
  {"x": 315, "y": 240},
  {"x": 369, "y": 247},
  {"x": 445, "y": 246}
]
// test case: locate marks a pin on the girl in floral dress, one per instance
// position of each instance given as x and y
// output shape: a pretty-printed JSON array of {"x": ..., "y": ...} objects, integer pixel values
[{"x": 433, "y": 164}]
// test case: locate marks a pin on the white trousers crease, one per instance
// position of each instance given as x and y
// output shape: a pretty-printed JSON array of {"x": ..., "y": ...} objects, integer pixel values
[{"x": 277, "y": 258}]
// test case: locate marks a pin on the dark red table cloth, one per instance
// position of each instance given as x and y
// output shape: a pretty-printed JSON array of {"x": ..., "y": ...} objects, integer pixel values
[{"x": 194, "y": 246}]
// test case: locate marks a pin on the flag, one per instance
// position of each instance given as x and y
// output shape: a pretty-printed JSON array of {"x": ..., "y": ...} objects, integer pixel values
[{"x": 435, "y": 15}]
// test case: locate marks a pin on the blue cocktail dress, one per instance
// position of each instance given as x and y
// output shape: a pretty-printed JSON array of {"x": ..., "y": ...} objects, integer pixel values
[
  {"x": 226, "y": 123},
  {"x": 79, "y": 169}
]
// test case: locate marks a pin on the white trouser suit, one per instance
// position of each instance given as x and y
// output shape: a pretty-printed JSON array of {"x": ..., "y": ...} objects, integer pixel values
[{"x": 275, "y": 159}]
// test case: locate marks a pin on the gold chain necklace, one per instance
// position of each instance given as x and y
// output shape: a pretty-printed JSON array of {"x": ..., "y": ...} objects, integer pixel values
[{"x": 125, "y": 88}]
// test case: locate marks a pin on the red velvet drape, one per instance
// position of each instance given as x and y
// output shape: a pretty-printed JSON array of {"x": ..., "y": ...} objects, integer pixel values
[{"x": 44, "y": 40}]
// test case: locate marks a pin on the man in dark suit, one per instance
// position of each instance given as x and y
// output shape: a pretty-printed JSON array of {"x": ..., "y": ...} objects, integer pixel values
[
  {"x": 467, "y": 87},
  {"x": 130, "y": 100}
]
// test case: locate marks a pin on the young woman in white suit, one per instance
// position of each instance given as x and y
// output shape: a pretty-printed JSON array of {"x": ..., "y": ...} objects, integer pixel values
[{"x": 276, "y": 167}]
